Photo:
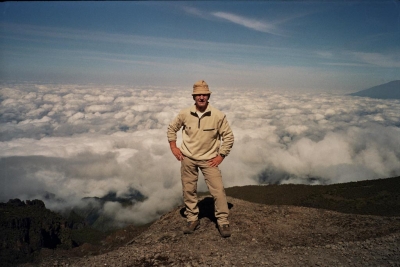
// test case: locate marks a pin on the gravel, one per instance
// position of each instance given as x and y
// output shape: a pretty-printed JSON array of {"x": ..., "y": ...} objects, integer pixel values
[{"x": 262, "y": 235}]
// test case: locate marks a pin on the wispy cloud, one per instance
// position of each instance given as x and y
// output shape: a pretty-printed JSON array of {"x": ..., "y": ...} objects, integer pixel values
[
  {"x": 324, "y": 54},
  {"x": 250, "y": 23},
  {"x": 344, "y": 64},
  {"x": 194, "y": 11},
  {"x": 47, "y": 34},
  {"x": 59, "y": 36},
  {"x": 359, "y": 58},
  {"x": 378, "y": 59}
]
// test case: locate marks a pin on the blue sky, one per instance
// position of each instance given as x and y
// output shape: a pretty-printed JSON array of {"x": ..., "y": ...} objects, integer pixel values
[{"x": 336, "y": 46}]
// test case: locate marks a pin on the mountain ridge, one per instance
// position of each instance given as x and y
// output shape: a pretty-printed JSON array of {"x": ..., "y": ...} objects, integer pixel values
[
  {"x": 390, "y": 90},
  {"x": 367, "y": 197}
]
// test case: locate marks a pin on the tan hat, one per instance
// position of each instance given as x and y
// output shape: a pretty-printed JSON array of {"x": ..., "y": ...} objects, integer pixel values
[{"x": 200, "y": 87}]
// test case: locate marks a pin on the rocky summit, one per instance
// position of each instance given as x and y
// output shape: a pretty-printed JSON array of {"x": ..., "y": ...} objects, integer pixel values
[
  {"x": 349, "y": 224},
  {"x": 262, "y": 235}
]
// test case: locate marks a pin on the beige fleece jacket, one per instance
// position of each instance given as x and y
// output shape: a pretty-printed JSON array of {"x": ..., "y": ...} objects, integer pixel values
[{"x": 202, "y": 138}]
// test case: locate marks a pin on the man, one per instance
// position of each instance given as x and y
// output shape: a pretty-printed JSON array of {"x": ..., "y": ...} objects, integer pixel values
[{"x": 204, "y": 127}]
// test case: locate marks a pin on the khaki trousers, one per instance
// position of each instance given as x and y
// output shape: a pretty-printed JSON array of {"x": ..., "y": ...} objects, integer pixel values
[{"x": 213, "y": 178}]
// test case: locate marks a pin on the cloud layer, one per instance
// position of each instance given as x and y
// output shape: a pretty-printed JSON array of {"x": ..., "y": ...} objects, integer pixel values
[{"x": 77, "y": 141}]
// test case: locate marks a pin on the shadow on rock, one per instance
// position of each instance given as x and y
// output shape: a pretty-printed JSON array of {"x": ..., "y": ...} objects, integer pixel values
[{"x": 206, "y": 209}]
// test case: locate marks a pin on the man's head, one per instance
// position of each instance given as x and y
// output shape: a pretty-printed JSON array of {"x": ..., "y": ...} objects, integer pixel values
[
  {"x": 201, "y": 88},
  {"x": 201, "y": 94}
]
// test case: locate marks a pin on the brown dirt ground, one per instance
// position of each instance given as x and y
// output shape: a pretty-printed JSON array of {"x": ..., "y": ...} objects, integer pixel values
[{"x": 262, "y": 235}]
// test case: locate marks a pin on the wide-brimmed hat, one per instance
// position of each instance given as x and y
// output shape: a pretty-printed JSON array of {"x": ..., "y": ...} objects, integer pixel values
[{"x": 200, "y": 88}]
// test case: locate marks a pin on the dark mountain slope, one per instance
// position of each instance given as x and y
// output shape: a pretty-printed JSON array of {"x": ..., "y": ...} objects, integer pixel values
[
  {"x": 390, "y": 90},
  {"x": 370, "y": 197}
]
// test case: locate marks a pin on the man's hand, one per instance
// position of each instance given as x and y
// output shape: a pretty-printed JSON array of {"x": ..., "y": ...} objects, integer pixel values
[
  {"x": 176, "y": 151},
  {"x": 214, "y": 162}
]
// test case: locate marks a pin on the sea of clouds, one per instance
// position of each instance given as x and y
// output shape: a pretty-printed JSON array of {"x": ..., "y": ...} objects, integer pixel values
[{"x": 78, "y": 141}]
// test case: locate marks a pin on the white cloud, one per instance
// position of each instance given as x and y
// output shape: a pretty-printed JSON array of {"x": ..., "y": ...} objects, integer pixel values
[
  {"x": 253, "y": 24},
  {"x": 78, "y": 141}
]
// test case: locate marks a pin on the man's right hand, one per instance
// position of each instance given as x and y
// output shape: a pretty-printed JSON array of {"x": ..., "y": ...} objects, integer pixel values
[{"x": 176, "y": 151}]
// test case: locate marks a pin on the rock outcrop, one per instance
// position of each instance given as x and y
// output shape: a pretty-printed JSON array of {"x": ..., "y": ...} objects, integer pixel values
[{"x": 26, "y": 227}]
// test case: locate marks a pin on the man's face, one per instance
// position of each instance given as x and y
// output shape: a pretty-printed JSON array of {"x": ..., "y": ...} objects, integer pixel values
[{"x": 201, "y": 100}]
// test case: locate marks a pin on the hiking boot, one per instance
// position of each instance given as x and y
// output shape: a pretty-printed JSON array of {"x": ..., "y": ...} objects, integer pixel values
[
  {"x": 224, "y": 230},
  {"x": 190, "y": 227}
]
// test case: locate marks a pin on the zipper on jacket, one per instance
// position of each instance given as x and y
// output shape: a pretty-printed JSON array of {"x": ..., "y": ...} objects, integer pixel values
[{"x": 195, "y": 114}]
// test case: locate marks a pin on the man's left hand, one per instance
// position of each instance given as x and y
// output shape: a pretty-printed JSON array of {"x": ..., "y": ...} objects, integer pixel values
[{"x": 214, "y": 162}]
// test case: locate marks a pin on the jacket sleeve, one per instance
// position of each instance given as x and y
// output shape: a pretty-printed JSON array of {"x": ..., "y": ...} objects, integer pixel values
[
  {"x": 174, "y": 127},
  {"x": 226, "y": 134}
]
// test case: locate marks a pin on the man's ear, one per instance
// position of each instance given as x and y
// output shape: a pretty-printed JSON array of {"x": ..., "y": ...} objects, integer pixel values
[{"x": 193, "y": 97}]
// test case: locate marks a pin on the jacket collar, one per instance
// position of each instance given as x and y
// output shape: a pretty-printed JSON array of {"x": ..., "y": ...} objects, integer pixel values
[{"x": 206, "y": 112}]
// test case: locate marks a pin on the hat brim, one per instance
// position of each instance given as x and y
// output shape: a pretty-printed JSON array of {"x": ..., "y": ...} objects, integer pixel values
[{"x": 202, "y": 93}]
